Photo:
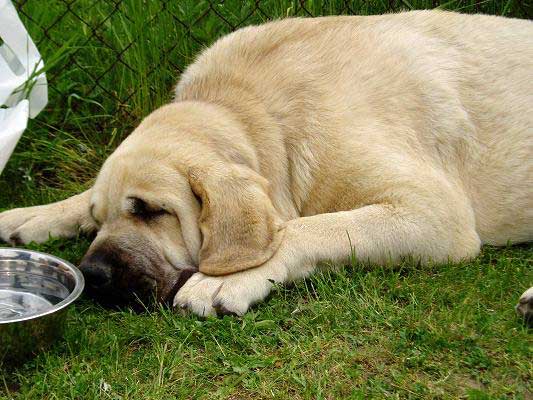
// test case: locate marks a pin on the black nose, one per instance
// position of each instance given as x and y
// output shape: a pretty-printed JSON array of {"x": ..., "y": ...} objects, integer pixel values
[
  {"x": 96, "y": 269},
  {"x": 110, "y": 280}
]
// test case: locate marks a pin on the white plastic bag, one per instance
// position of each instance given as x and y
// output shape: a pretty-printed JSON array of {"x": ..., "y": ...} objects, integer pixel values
[{"x": 19, "y": 63}]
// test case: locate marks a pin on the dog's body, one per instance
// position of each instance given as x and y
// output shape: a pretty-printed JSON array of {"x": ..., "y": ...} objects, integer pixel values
[{"x": 307, "y": 140}]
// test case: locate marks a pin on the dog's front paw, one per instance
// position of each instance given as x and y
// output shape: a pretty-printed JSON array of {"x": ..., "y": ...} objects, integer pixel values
[
  {"x": 36, "y": 224},
  {"x": 197, "y": 294},
  {"x": 222, "y": 295},
  {"x": 524, "y": 307}
]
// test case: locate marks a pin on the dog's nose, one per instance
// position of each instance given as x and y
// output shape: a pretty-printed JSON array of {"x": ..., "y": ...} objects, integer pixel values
[{"x": 96, "y": 270}]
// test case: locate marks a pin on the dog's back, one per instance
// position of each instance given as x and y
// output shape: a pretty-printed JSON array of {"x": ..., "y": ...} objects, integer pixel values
[{"x": 453, "y": 91}]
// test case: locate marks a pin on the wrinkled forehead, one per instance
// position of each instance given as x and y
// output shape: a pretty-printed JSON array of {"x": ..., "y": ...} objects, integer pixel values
[
  {"x": 110, "y": 184},
  {"x": 125, "y": 176}
]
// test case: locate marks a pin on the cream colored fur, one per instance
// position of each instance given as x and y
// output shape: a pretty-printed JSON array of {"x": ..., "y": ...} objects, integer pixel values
[{"x": 302, "y": 140}]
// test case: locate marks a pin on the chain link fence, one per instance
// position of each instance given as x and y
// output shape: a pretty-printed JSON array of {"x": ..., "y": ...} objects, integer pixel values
[
  {"x": 128, "y": 52},
  {"x": 111, "y": 62}
]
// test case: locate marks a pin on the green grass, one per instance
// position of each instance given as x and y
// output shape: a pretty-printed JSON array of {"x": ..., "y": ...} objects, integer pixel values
[
  {"x": 433, "y": 332},
  {"x": 409, "y": 332}
]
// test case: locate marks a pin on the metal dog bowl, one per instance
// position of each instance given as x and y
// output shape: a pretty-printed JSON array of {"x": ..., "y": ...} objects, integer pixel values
[{"x": 35, "y": 291}]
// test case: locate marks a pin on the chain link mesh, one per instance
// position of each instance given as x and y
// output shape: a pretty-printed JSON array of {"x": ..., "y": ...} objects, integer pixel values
[
  {"x": 106, "y": 39},
  {"x": 111, "y": 62}
]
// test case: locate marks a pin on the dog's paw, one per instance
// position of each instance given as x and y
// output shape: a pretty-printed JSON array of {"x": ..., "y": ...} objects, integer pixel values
[
  {"x": 197, "y": 295},
  {"x": 524, "y": 308},
  {"x": 223, "y": 295},
  {"x": 36, "y": 224}
]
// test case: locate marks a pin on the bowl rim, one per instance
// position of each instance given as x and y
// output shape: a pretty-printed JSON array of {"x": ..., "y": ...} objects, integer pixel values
[{"x": 76, "y": 292}]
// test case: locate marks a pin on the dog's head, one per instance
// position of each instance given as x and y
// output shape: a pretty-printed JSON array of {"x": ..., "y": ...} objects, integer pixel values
[{"x": 179, "y": 195}]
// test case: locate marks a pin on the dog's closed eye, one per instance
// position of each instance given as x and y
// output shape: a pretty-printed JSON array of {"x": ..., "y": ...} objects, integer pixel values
[{"x": 145, "y": 211}]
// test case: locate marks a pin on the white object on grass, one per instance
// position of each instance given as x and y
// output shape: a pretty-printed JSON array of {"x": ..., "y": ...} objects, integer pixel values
[{"x": 23, "y": 90}]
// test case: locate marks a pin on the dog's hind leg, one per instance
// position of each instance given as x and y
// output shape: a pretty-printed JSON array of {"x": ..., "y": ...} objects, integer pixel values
[
  {"x": 37, "y": 224},
  {"x": 524, "y": 308}
]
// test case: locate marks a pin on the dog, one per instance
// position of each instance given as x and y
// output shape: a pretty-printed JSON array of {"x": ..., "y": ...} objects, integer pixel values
[{"x": 304, "y": 141}]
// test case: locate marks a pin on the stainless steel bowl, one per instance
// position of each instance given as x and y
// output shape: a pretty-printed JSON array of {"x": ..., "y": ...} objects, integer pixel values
[{"x": 35, "y": 291}]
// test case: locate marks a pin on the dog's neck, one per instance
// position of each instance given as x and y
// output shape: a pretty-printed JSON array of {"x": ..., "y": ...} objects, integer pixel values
[{"x": 243, "y": 132}]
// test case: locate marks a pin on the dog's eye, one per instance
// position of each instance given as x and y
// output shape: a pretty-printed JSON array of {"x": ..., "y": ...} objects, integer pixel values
[{"x": 145, "y": 211}]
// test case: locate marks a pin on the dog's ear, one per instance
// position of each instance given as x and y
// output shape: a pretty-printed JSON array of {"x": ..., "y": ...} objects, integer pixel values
[{"x": 239, "y": 224}]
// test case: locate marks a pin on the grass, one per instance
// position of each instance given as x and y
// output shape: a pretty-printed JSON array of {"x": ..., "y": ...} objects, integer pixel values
[
  {"x": 433, "y": 332},
  {"x": 442, "y": 331}
]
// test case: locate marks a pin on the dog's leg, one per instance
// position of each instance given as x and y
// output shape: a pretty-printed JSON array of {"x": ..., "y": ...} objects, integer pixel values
[
  {"x": 375, "y": 233},
  {"x": 524, "y": 308},
  {"x": 36, "y": 224}
]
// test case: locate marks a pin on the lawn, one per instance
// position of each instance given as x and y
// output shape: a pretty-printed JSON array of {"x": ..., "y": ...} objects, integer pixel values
[{"x": 440, "y": 331}]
